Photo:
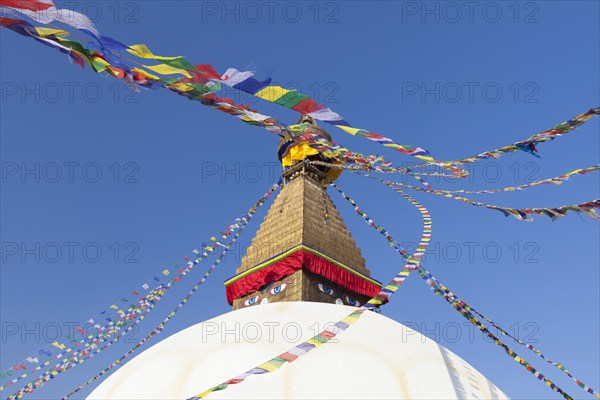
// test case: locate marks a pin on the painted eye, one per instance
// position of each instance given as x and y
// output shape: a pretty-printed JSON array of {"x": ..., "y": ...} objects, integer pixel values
[
  {"x": 278, "y": 289},
  {"x": 352, "y": 302},
  {"x": 251, "y": 301},
  {"x": 325, "y": 289}
]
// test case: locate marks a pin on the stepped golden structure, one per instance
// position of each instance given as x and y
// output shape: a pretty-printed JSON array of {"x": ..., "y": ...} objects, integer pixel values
[{"x": 302, "y": 250}]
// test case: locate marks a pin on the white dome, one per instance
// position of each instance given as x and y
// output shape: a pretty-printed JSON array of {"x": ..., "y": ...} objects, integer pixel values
[{"x": 408, "y": 365}]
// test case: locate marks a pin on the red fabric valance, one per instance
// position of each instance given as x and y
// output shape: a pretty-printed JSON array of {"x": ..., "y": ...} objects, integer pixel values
[{"x": 301, "y": 259}]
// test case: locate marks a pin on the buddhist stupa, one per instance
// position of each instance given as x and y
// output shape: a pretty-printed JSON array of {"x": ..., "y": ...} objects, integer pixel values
[{"x": 302, "y": 273}]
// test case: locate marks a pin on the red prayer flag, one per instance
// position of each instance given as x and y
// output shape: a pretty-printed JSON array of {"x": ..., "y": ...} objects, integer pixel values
[
  {"x": 5, "y": 21},
  {"x": 33, "y": 5},
  {"x": 209, "y": 71},
  {"x": 307, "y": 106}
]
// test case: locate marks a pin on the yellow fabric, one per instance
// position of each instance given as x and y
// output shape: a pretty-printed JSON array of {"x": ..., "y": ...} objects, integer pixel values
[
  {"x": 272, "y": 93},
  {"x": 298, "y": 153},
  {"x": 102, "y": 61},
  {"x": 165, "y": 69},
  {"x": 315, "y": 342},
  {"x": 182, "y": 87},
  {"x": 146, "y": 74},
  {"x": 44, "y": 32},
  {"x": 142, "y": 51},
  {"x": 269, "y": 367},
  {"x": 204, "y": 394},
  {"x": 302, "y": 150},
  {"x": 115, "y": 71},
  {"x": 348, "y": 129}
]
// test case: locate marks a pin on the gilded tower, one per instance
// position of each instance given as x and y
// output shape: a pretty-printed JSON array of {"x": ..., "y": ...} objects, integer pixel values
[{"x": 302, "y": 250}]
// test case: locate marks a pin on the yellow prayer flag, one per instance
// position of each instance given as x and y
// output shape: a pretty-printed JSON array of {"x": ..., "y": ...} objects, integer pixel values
[
  {"x": 348, "y": 129},
  {"x": 272, "y": 93},
  {"x": 100, "y": 60},
  {"x": 142, "y": 51},
  {"x": 165, "y": 69},
  {"x": 205, "y": 393},
  {"x": 181, "y": 87},
  {"x": 268, "y": 366},
  {"x": 425, "y": 158},
  {"x": 314, "y": 342},
  {"x": 146, "y": 74},
  {"x": 116, "y": 72},
  {"x": 44, "y": 32}
]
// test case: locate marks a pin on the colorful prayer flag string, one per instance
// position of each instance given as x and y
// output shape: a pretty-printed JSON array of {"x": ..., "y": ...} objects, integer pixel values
[
  {"x": 245, "y": 82},
  {"x": 194, "y": 86},
  {"x": 557, "y": 180},
  {"x": 113, "y": 62},
  {"x": 90, "y": 342},
  {"x": 67, "y": 364},
  {"x": 104, "y": 324},
  {"x": 522, "y": 214},
  {"x": 466, "y": 311},
  {"x": 244, "y": 221},
  {"x": 528, "y": 145},
  {"x": 202, "y": 80}
]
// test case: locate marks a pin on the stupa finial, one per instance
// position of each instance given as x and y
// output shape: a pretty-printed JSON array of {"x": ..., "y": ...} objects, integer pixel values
[{"x": 294, "y": 155}]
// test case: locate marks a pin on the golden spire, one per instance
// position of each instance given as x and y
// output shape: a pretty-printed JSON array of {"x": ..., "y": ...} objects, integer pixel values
[{"x": 302, "y": 250}]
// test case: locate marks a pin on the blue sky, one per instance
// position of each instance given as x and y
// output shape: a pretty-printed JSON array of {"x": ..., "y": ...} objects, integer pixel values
[{"x": 452, "y": 79}]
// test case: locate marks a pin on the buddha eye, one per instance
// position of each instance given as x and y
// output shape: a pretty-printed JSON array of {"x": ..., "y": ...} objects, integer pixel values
[
  {"x": 251, "y": 301},
  {"x": 352, "y": 302},
  {"x": 325, "y": 289},
  {"x": 279, "y": 288}
]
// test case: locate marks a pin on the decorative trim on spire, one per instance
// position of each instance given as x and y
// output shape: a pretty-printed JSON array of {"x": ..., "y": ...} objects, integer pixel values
[{"x": 295, "y": 259}]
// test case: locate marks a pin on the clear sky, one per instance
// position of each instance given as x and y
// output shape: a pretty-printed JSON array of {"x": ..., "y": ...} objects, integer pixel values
[{"x": 455, "y": 78}]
